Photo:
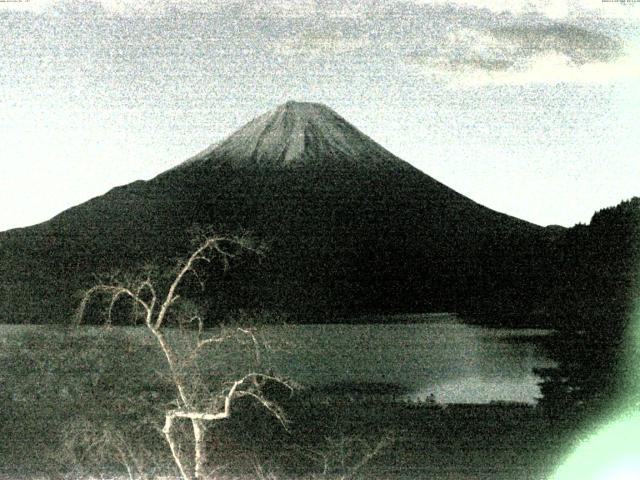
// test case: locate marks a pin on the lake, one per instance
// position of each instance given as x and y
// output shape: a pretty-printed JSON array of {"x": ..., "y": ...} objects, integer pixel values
[
  {"x": 429, "y": 355},
  {"x": 53, "y": 378},
  {"x": 435, "y": 355}
]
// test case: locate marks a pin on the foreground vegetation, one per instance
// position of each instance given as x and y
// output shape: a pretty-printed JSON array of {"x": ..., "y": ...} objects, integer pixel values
[{"x": 91, "y": 401}]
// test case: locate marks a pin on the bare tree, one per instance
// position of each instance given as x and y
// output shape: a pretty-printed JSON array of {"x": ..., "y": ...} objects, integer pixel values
[
  {"x": 344, "y": 457},
  {"x": 193, "y": 403}
]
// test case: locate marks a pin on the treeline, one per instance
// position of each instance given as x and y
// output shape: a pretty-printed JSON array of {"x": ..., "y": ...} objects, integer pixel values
[
  {"x": 594, "y": 292},
  {"x": 597, "y": 265}
]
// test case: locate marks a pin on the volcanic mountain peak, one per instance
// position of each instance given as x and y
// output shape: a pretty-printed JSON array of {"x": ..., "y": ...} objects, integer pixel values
[{"x": 295, "y": 134}]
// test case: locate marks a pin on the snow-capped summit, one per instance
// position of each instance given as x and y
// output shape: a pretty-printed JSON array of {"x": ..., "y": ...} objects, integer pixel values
[{"x": 296, "y": 134}]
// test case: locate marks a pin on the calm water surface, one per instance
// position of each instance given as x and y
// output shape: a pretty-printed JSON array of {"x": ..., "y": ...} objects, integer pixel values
[
  {"x": 436, "y": 355},
  {"x": 440, "y": 356}
]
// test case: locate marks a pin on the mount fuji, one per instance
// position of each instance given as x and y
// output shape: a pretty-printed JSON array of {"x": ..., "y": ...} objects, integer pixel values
[{"x": 351, "y": 229}]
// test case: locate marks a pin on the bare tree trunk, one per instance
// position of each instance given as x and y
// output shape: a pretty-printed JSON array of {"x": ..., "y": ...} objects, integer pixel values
[
  {"x": 199, "y": 447},
  {"x": 174, "y": 448}
]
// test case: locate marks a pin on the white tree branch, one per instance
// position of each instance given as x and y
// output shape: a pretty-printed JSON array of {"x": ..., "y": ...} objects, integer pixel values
[
  {"x": 188, "y": 266},
  {"x": 175, "y": 453},
  {"x": 116, "y": 292},
  {"x": 188, "y": 393}
]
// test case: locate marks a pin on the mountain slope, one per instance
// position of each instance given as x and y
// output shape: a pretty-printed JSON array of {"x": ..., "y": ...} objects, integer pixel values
[
  {"x": 300, "y": 134},
  {"x": 351, "y": 228}
]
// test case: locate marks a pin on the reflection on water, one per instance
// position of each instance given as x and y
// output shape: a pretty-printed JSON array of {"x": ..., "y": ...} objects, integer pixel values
[{"x": 439, "y": 358}]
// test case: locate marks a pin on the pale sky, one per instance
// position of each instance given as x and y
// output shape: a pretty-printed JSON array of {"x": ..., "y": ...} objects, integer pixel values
[{"x": 528, "y": 107}]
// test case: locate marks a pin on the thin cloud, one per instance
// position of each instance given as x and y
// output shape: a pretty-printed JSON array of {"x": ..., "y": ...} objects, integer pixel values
[
  {"x": 522, "y": 52},
  {"x": 552, "y": 68},
  {"x": 498, "y": 42},
  {"x": 552, "y": 9},
  {"x": 319, "y": 44},
  {"x": 578, "y": 44}
]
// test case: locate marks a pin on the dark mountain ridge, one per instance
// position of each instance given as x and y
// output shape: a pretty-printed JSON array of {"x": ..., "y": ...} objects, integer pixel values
[{"x": 351, "y": 228}]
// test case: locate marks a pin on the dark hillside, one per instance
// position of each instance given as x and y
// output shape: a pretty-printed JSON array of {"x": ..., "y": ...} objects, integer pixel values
[{"x": 351, "y": 228}]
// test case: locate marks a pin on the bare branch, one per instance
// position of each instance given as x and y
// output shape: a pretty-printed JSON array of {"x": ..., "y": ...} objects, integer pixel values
[
  {"x": 147, "y": 285},
  {"x": 208, "y": 341},
  {"x": 167, "y": 430},
  {"x": 116, "y": 292},
  {"x": 200, "y": 326},
  {"x": 236, "y": 392},
  {"x": 114, "y": 299},
  {"x": 272, "y": 407},
  {"x": 371, "y": 453},
  {"x": 173, "y": 363},
  {"x": 198, "y": 278},
  {"x": 256, "y": 345},
  {"x": 190, "y": 392},
  {"x": 201, "y": 344},
  {"x": 187, "y": 267}
]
